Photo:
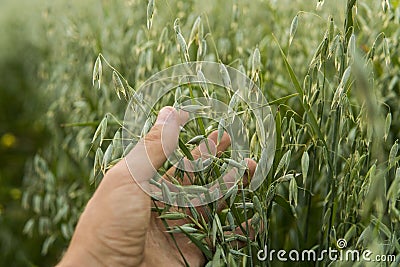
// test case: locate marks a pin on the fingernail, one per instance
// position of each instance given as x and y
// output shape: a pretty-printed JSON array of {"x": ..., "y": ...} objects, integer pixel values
[{"x": 165, "y": 115}]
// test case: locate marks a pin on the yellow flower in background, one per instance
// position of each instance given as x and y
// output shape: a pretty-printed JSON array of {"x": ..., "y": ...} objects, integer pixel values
[
  {"x": 15, "y": 193},
  {"x": 8, "y": 140}
]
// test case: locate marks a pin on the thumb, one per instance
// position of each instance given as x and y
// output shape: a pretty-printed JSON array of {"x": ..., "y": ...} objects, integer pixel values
[{"x": 151, "y": 152}]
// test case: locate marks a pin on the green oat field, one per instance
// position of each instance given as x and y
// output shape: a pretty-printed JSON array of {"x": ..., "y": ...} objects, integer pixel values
[{"x": 330, "y": 71}]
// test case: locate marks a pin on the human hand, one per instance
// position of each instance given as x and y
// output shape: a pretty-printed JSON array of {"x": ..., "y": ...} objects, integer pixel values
[{"x": 117, "y": 227}]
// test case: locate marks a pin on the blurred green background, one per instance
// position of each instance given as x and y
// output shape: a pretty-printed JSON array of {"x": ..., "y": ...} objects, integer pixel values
[
  {"x": 47, "y": 50},
  {"x": 22, "y": 103}
]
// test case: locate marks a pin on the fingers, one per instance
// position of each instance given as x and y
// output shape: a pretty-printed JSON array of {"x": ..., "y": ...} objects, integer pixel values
[
  {"x": 203, "y": 151},
  {"x": 249, "y": 233},
  {"x": 231, "y": 178},
  {"x": 224, "y": 143},
  {"x": 150, "y": 153}
]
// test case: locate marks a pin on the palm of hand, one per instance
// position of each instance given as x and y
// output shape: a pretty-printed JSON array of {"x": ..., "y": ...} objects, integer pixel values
[{"x": 117, "y": 227}]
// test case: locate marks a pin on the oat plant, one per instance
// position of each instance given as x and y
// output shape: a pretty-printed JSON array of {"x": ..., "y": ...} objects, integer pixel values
[{"x": 330, "y": 72}]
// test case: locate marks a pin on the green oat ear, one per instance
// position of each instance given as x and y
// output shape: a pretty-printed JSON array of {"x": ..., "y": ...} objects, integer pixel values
[
  {"x": 260, "y": 174},
  {"x": 388, "y": 123},
  {"x": 97, "y": 72},
  {"x": 305, "y": 163},
  {"x": 150, "y": 13},
  {"x": 101, "y": 130},
  {"x": 256, "y": 62},
  {"x": 118, "y": 85},
  {"x": 293, "y": 28},
  {"x": 196, "y": 34}
]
